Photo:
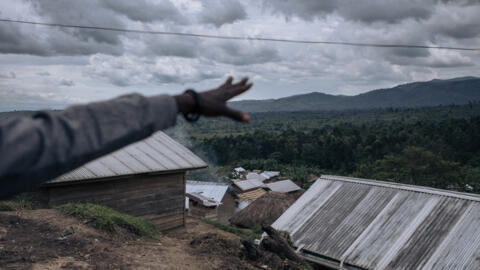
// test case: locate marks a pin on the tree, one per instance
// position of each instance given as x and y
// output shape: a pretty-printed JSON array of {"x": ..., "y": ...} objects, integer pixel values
[{"x": 417, "y": 166}]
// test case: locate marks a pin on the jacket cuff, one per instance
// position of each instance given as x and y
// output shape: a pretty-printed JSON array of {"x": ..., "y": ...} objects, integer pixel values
[{"x": 163, "y": 110}]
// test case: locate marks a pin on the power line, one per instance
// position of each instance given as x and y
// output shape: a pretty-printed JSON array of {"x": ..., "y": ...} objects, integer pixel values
[{"x": 357, "y": 44}]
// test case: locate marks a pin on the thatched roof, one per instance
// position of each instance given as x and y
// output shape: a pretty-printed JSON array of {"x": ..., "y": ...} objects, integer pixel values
[
  {"x": 252, "y": 195},
  {"x": 264, "y": 210}
]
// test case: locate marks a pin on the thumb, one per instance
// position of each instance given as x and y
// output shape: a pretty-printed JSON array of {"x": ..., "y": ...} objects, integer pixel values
[{"x": 237, "y": 115}]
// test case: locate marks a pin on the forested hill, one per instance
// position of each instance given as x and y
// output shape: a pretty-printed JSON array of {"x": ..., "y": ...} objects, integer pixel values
[{"x": 418, "y": 94}]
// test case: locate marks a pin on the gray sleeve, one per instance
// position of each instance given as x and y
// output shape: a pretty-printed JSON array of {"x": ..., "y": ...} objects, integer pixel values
[{"x": 48, "y": 144}]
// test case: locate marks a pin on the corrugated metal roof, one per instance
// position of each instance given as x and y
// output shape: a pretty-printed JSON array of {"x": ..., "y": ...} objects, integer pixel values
[
  {"x": 199, "y": 197},
  {"x": 269, "y": 174},
  {"x": 248, "y": 184},
  {"x": 210, "y": 190},
  {"x": 379, "y": 225},
  {"x": 252, "y": 176},
  {"x": 157, "y": 153},
  {"x": 283, "y": 186}
]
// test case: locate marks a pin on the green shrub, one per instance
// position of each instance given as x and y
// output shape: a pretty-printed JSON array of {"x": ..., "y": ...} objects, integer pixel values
[
  {"x": 245, "y": 234},
  {"x": 24, "y": 201},
  {"x": 5, "y": 207},
  {"x": 104, "y": 218}
]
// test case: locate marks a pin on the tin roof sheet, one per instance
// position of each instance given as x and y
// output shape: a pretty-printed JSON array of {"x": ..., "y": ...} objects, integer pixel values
[
  {"x": 211, "y": 190},
  {"x": 252, "y": 175},
  {"x": 245, "y": 185},
  {"x": 269, "y": 174},
  {"x": 378, "y": 225},
  {"x": 199, "y": 197},
  {"x": 157, "y": 153},
  {"x": 283, "y": 186}
]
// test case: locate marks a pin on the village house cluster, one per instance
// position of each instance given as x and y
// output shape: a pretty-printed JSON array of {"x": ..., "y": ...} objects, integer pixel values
[
  {"x": 222, "y": 202},
  {"x": 339, "y": 222}
]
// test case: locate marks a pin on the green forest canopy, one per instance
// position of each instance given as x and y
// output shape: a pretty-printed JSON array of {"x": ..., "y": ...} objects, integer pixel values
[{"x": 437, "y": 147}]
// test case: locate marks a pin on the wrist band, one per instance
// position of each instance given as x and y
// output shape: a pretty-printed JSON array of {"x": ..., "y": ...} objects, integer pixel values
[{"x": 195, "y": 115}]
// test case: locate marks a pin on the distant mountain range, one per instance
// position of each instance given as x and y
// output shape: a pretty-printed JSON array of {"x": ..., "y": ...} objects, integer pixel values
[{"x": 418, "y": 94}]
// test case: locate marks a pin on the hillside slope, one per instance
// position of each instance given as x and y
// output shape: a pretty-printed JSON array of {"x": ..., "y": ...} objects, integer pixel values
[
  {"x": 48, "y": 239},
  {"x": 418, "y": 94}
]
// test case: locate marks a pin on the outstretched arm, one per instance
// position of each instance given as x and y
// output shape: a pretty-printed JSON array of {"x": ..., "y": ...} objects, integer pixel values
[{"x": 36, "y": 149}]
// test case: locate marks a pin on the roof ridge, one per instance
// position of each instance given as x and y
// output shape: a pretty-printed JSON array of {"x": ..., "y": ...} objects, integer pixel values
[
  {"x": 207, "y": 183},
  {"x": 406, "y": 187}
]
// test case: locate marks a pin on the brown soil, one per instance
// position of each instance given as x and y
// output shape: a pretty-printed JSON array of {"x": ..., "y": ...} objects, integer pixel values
[{"x": 47, "y": 239}]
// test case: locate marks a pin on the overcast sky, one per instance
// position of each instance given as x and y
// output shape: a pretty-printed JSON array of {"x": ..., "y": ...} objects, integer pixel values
[{"x": 44, "y": 67}]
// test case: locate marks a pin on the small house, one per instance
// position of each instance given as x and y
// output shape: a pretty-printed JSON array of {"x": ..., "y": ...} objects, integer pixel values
[
  {"x": 145, "y": 179},
  {"x": 351, "y": 223},
  {"x": 241, "y": 186},
  {"x": 209, "y": 200}
]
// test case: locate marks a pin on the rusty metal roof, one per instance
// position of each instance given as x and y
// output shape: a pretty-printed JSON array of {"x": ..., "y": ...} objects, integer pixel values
[
  {"x": 158, "y": 153},
  {"x": 367, "y": 224}
]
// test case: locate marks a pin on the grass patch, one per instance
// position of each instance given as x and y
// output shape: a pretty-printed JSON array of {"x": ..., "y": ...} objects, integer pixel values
[
  {"x": 5, "y": 207},
  {"x": 24, "y": 201},
  {"x": 18, "y": 202},
  {"x": 245, "y": 234},
  {"x": 104, "y": 218}
]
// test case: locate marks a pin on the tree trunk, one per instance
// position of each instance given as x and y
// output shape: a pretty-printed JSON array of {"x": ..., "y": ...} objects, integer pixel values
[{"x": 277, "y": 244}]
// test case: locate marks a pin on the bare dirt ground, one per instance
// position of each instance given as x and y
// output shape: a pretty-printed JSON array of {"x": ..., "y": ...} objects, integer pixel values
[{"x": 48, "y": 239}]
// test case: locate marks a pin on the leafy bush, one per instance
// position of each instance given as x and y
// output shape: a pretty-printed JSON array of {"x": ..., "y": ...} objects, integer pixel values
[
  {"x": 5, "y": 207},
  {"x": 245, "y": 234},
  {"x": 105, "y": 218}
]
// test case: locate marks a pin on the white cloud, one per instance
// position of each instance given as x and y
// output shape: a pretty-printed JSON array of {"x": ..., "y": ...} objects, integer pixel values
[
  {"x": 220, "y": 12},
  {"x": 133, "y": 70},
  {"x": 85, "y": 65}
]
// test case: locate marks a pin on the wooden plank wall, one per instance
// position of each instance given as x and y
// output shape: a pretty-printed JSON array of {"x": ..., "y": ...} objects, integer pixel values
[{"x": 159, "y": 198}]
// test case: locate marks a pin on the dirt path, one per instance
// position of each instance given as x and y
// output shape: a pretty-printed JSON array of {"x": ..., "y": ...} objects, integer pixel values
[{"x": 47, "y": 239}]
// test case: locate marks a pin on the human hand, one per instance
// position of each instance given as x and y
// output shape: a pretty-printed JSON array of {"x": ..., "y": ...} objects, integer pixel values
[{"x": 214, "y": 102}]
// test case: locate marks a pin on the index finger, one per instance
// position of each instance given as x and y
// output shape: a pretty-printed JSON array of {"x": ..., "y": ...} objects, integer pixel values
[{"x": 235, "y": 91}]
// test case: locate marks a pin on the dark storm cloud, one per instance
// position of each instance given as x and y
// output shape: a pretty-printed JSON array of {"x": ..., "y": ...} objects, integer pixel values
[
  {"x": 43, "y": 73},
  {"x": 407, "y": 52},
  {"x": 26, "y": 39},
  {"x": 188, "y": 47},
  {"x": 456, "y": 21},
  {"x": 242, "y": 54},
  {"x": 66, "y": 82},
  {"x": 45, "y": 41},
  {"x": 306, "y": 9},
  {"x": 143, "y": 11},
  {"x": 163, "y": 78},
  {"x": 220, "y": 12},
  {"x": 20, "y": 40},
  {"x": 85, "y": 12},
  {"x": 390, "y": 11},
  {"x": 8, "y": 75}
]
